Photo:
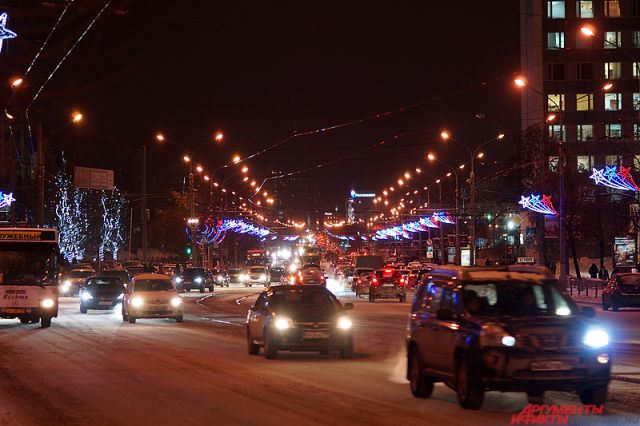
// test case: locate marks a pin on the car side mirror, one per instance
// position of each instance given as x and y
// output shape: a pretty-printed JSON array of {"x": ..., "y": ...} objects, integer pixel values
[
  {"x": 588, "y": 312},
  {"x": 348, "y": 306},
  {"x": 445, "y": 314}
]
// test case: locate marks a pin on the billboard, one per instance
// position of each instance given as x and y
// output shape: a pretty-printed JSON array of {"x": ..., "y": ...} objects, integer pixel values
[
  {"x": 100, "y": 179},
  {"x": 624, "y": 251}
]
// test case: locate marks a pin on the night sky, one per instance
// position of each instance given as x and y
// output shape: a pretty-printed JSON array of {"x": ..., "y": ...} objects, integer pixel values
[{"x": 260, "y": 71}]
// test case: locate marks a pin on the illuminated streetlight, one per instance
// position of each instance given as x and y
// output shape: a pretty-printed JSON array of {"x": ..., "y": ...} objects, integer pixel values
[
  {"x": 186, "y": 159},
  {"x": 385, "y": 192},
  {"x": 245, "y": 169},
  {"x": 236, "y": 159},
  {"x": 461, "y": 166},
  {"x": 206, "y": 178},
  {"x": 520, "y": 81},
  {"x": 400, "y": 182},
  {"x": 480, "y": 154},
  {"x": 9, "y": 116},
  {"x": 607, "y": 86},
  {"x": 445, "y": 135},
  {"x": 218, "y": 137},
  {"x": 551, "y": 117},
  {"x": 199, "y": 169},
  {"x": 407, "y": 175},
  {"x": 437, "y": 180},
  {"x": 587, "y": 31},
  {"x": 246, "y": 178},
  {"x": 418, "y": 170},
  {"x": 76, "y": 117},
  {"x": 431, "y": 157},
  {"x": 160, "y": 137},
  {"x": 500, "y": 136},
  {"x": 16, "y": 82}
]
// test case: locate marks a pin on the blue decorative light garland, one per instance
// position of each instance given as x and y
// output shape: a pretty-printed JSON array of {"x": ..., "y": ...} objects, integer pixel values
[{"x": 5, "y": 34}]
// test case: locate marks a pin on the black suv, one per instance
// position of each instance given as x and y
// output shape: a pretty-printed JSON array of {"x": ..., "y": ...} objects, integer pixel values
[
  {"x": 622, "y": 290},
  {"x": 194, "y": 278},
  {"x": 505, "y": 329}
]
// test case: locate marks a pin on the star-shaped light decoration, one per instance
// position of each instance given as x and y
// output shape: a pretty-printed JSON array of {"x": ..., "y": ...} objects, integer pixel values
[
  {"x": 611, "y": 178},
  {"x": 5, "y": 33},
  {"x": 6, "y": 200},
  {"x": 534, "y": 203}
]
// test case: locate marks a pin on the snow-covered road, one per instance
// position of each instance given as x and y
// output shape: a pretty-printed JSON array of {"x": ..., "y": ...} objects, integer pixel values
[{"x": 95, "y": 369}]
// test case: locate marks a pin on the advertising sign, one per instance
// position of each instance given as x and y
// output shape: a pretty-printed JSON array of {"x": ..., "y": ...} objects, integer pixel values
[
  {"x": 465, "y": 257},
  {"x": 100, "y": 179},
  {"x": 551, "y": 227},
  {"x": 624, "y": 251}
]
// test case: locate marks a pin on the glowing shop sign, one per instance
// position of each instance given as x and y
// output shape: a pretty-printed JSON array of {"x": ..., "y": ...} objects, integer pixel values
[
  {"x": 5, "y": 33},
  {"x": 354, "y": 194},
  {"x": 534, "y": 203}
]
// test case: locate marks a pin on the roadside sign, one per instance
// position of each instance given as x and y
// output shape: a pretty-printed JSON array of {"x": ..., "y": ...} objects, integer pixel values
[
  {"x": 526, "y": 260},
  {"x": 100, "y": 179}
]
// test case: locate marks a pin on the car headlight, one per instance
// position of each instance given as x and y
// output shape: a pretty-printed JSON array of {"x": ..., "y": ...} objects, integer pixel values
[
  {"x": 495, "y": 335},
  {"x": 47, "y": 303},
  {"x": 137, "y": 301},
  {"x": 198, "y": 280},
  {"x": 596, "y": 338},
  {"x": 283, "y": 323},
  {"x": 178, "y": 280},
  {"x": 344, "y": 323},
  {"x": 86, "y": 296},
  {"x": 263, "y": 277},
  {"x": 244, "y": 277},
  {"x": 219, "y": 278},
  {"x": 66, "y": 285},
  {"x": 176, "y": 301}
]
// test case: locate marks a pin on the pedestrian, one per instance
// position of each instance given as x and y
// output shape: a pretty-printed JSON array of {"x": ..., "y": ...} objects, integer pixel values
[{"x": 593, "y": 271}]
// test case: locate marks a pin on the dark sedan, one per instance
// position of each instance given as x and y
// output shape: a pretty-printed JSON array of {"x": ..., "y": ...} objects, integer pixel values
[
  {"x": 101, "y": 292},
  {"x": 299, "y": 318},
  {"x": 623, "y": 290}
]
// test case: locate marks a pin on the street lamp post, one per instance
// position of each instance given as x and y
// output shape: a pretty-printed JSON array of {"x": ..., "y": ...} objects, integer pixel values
[{"x": 457, "y": 203}]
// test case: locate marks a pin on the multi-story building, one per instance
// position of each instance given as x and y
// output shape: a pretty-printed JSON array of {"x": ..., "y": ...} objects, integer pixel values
[{"x": 581, "y": 60}]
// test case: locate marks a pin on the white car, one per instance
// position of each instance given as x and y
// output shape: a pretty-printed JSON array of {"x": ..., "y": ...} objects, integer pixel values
[
  {"x": 71, "y": 283},
  {"x": 151, "y": 296},
  {"x": 257, "y": 275}
]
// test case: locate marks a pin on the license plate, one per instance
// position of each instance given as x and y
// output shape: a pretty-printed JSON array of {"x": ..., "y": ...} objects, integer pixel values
[
  {"x": 16, "y": 310},
  {"x": 388, "y": 285},
  {"x": 315, "y": 334},
  {"x": 550, "y": 366},
  {"x": 104, "y": 303}
]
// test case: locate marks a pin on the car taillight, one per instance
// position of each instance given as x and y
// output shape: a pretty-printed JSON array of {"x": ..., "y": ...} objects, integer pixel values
[
  {"x": 375, "y": 280},
  {"x": 359, "y": 281},
  {"x": 401, "y": 281}
]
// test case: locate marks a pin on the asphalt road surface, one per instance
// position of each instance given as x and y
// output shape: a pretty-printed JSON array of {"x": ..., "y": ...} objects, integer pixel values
[{"x": 95, "y": 369}]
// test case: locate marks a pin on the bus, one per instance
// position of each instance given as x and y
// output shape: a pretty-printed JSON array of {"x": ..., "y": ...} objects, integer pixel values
[{"x": 28, "y": 274}]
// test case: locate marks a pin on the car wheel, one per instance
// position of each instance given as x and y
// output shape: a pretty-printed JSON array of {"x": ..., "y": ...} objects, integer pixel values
[
  {"x": 83, "y": 309},
  {"x": 536, "y": 397},
  {"x": 470, "y": 394},
  {"x": 179, "y": 318},
  {"x": 594, "y": 396},
  {"x": 270, "y": 348},
  {"x": 357, "y": 294},
  {"x": 252, "y": 348},
  {"x": 403, "y": 298},
  {"x": 132, "y": 320},
  {"x": 45, "y": 322},
  {"x": 372, "y": 297},
  {"x": 421, "y": 387},
  {"x": 605, "y": 307},
  {"x": 346, "y": 352},
  {"x": 24, "y": 320},
  {"x": 614, "y": 307}
]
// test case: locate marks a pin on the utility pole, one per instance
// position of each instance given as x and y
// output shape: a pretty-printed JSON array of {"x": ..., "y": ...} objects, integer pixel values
[
  {"x": 40, "y": 153},
  {"x": 564, "y": 267},
  {"x": 191, "y": 221},
  {"x": 472, "y": 205},
  {"x": 457, "y": 245},
  {"x": 143, "y": 217}
]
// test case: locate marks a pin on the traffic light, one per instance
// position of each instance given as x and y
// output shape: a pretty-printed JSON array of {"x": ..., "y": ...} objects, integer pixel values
[
  {"x": 187, "y": 250},
  {"x": 489, "y": 216}
]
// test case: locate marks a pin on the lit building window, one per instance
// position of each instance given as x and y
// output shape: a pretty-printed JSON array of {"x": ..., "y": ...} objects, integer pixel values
[
  {"x": 613, "y": 160},
  {"x": 584, "y": 163},
  {"x": 612, "y": 39},
  {"x": 584, "y": 9},
  {"x": 555, "y": 102},
  {"x": 613, "y": 131},
  {"x": 553, "y": 164},
  {"x": 636, "y": 101},
  {"x": 612, "y": 70},
  {"x": 555, "y": 9},
  {"x": 636, "y": 39},
  {"x": 612, "y": 8},
  {"x": 584, "y": 102},
  {"x": 555, "y": 40},
  {"x": 636, "y": 132},
  {"x": 612, "y": 101},
  {"x": 636, "y": 69},
  {"x": 636, "y": 162},
  {"x": 556, "y": 132},
  {"x": 585, "y": 132}
]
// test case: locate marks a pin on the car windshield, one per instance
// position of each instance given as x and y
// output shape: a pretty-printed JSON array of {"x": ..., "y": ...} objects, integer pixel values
[
  {"x": 81, "y": 274},
  {"x": 153, "y": 285},
  {"x": 193, "y": 272},
  {"x": 27, "y": 267},
  {"x": 516, "y": 298},
  {"x": 629, "y": 279},
  {"x": 234, "y": 271},
  {"x": 257, "y": 270},
  {"x": 104, "y": 283},
  {"x": 123, "y": 275},
  {"x": 305, "y": 302}
]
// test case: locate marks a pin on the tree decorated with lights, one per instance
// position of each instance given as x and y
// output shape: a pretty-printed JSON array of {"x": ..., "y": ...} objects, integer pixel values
[
  {"x": 70, "y": 217},
  {"x": 111, "y": 240}
]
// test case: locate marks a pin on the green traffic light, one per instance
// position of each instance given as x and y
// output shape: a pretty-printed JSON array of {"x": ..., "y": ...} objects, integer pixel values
[{"x": 188, "y": 250}]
